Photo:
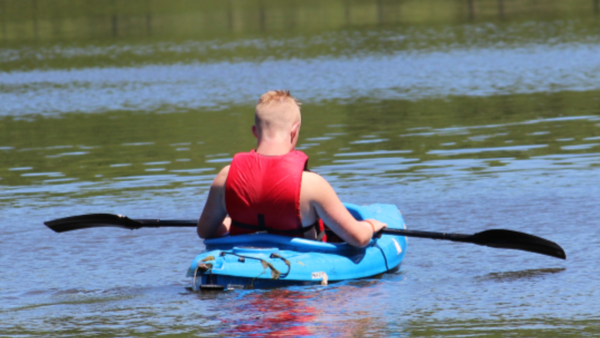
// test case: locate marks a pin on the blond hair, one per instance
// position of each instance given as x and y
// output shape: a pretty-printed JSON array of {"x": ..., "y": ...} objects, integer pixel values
[
  {"x": 277, "y": 96},
  {"x": 276, "y": 111}
]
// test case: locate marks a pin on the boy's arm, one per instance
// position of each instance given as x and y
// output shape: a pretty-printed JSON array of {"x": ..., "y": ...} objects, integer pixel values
[
  {"x": 330, "y": 209},
  {"x": 214, "y": 221}
]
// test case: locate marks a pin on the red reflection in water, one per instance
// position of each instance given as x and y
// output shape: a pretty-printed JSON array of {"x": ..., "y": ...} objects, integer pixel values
[{"x": 276, "y": 313}]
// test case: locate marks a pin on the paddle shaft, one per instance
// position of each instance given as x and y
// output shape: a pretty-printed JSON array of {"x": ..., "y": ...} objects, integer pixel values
[
  {"x": 427, "y": 234},
  {"x": 503, "y": 239},
  {"x": 158, "y": 223}
]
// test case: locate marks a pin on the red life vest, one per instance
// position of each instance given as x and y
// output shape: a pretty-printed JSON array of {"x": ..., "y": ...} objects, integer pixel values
[{"x": 263, "y": 193}]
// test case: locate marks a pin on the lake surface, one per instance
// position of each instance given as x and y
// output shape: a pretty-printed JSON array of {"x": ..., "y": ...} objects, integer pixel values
[{"x": 467, "y": 115}]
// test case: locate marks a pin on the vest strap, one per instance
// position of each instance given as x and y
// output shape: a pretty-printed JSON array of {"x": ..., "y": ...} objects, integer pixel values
[{"x": 262, "y": 227}]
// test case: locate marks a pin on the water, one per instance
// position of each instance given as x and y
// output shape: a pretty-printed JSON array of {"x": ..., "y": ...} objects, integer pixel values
[{"x": 466, "y": 115}]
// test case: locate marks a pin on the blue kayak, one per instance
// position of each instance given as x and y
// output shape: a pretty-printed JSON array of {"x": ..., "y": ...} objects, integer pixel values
[{"x": 267, "y": 261}]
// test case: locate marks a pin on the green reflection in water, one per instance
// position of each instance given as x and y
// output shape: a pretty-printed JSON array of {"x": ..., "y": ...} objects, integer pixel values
[
  {"x": 36, "y": 19},
  {"x": 68, "y": 34},
  {"x": 408, "y": 137}
]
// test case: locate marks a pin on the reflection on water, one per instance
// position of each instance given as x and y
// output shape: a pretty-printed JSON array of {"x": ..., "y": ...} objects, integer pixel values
[
  {"x": 525, "y": 274},
  {"x": 33, "y": 19},
  {"x": 467, "y": 115},
  {"x": 276, "y": 313},
  {"x": 460, "y": 71},
  {"x": 396, "y": 142},
  {"x": 530, "y": 327}
]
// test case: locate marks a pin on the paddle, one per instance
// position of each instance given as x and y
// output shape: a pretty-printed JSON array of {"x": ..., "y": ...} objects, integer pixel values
[
  {"x": 497, "y": 238},
  {"x": 504, "y": 239},
  {"x": 110, "y": 220}
]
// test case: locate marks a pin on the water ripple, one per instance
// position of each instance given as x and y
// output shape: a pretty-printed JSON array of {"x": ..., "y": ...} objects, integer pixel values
[{"x": 408, "y": 75}]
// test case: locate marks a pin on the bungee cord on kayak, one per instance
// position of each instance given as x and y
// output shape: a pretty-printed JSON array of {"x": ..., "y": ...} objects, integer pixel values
[{"x": 206, "y": 265}]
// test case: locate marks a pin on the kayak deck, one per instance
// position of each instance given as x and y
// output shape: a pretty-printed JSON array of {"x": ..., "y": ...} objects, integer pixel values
[{"x": 266, "y": 260}]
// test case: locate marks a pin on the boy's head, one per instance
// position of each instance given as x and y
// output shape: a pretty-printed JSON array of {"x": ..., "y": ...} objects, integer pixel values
[{"x": 277, "y": 114}]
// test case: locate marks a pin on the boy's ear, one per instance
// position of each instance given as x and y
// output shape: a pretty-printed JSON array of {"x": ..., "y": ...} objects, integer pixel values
[
  {"x": 254, "y": 131},
  {"x": 295, "y": 130}
]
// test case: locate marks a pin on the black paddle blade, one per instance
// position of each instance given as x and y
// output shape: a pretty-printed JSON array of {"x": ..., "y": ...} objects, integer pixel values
[
  {"x": 508, "y": 239},
  {"x": 92, "y": 221}
]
